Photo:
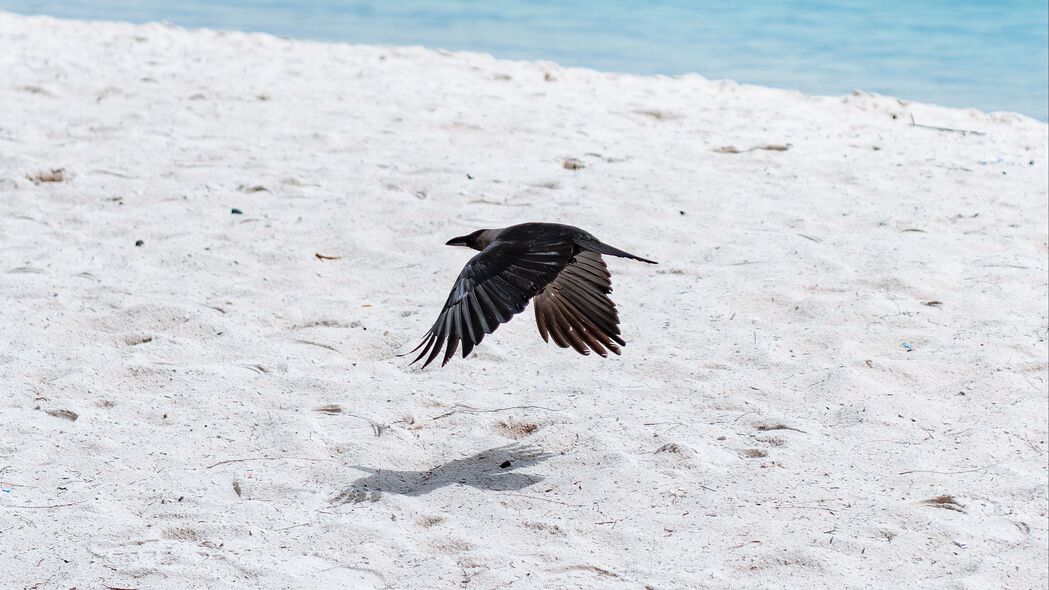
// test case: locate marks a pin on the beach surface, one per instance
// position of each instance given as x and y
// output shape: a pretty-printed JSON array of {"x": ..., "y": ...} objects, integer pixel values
[{"x": 214, "y": 245}]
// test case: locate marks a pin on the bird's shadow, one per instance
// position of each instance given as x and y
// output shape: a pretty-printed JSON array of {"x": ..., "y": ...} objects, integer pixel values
[{"x": 492, "y": 470}]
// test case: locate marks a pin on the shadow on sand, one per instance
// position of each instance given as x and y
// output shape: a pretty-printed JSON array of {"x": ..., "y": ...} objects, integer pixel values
[{"x": 488, "y": 470}]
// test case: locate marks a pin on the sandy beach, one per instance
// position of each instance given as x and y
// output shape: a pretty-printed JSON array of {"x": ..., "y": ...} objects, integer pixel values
[{"x": 214, "y": 245}]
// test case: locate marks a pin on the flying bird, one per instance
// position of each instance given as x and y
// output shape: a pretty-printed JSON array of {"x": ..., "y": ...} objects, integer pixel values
[{"x": 558, "y": 267}]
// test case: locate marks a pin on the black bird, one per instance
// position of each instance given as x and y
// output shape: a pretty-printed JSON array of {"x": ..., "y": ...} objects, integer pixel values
[{"x": 557, "y": 266}]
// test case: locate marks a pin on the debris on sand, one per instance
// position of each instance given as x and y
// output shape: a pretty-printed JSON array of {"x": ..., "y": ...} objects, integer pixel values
[
  {"x": 511, "y": 428},
  {"x": 946, "y": 502},
  {"x": 52, "y": 175},
  {"x": 731, "y": 149},
  {"x": 64, "y": 414}
]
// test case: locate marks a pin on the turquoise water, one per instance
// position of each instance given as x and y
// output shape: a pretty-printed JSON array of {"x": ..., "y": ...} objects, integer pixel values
[{"x": 991, "y": 55}]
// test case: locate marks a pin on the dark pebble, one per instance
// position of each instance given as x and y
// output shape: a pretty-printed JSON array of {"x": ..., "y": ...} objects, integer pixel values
[
  {"x": 139, "y": 242},
  {"x": 504, "y": 464}
]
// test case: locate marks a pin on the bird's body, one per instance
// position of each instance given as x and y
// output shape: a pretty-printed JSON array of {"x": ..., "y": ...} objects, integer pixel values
[{"x": 558, "y": 267}]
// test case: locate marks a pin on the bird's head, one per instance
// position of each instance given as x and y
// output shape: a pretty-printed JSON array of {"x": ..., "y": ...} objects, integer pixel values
[{"x": 476, "y": 240}]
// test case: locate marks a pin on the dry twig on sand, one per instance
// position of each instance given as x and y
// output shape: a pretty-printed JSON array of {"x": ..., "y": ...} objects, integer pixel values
[
  {"x": 464, "y": 408},
  {"x": 263, "y": 459},
  {"x": 768, "y": 427},
  {"x": 973, "y": 470},
  {"x": 948, "y": 129},
  {"x": 731, "y": 149},
  {"x": 47, "y": 506},
  {"x": 64, "y": 414}
]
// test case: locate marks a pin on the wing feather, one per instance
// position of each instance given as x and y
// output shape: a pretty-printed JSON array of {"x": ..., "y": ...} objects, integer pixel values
[
  {"x": 575, "y": 308},
  {"x": 495, "y": 285}
]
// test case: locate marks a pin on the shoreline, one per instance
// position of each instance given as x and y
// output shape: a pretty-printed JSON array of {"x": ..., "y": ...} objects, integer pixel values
[{"x": 551, "y": 63}]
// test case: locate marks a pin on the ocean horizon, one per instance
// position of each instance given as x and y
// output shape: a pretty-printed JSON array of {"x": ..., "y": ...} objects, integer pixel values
[{"x": 992, "y": 56}]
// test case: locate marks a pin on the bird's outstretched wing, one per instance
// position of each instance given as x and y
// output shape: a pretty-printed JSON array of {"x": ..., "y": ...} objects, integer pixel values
[
  {"x": 575, "y": 308},
  {"x": 494, "y": 286}
]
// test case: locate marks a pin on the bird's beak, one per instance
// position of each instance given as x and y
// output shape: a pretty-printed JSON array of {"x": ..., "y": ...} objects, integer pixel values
[{"x": 460, "y": 241}]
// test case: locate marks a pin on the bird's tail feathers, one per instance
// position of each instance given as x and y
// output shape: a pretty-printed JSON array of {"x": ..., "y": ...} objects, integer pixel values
[{"x": 602, "y": 248}]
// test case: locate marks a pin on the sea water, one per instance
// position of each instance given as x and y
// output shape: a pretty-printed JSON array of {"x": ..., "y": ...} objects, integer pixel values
[{"x": 992, "y": 55}]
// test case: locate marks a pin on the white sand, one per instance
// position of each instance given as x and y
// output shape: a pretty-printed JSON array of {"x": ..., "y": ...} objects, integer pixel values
[{"x": 791, "y": 286}]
